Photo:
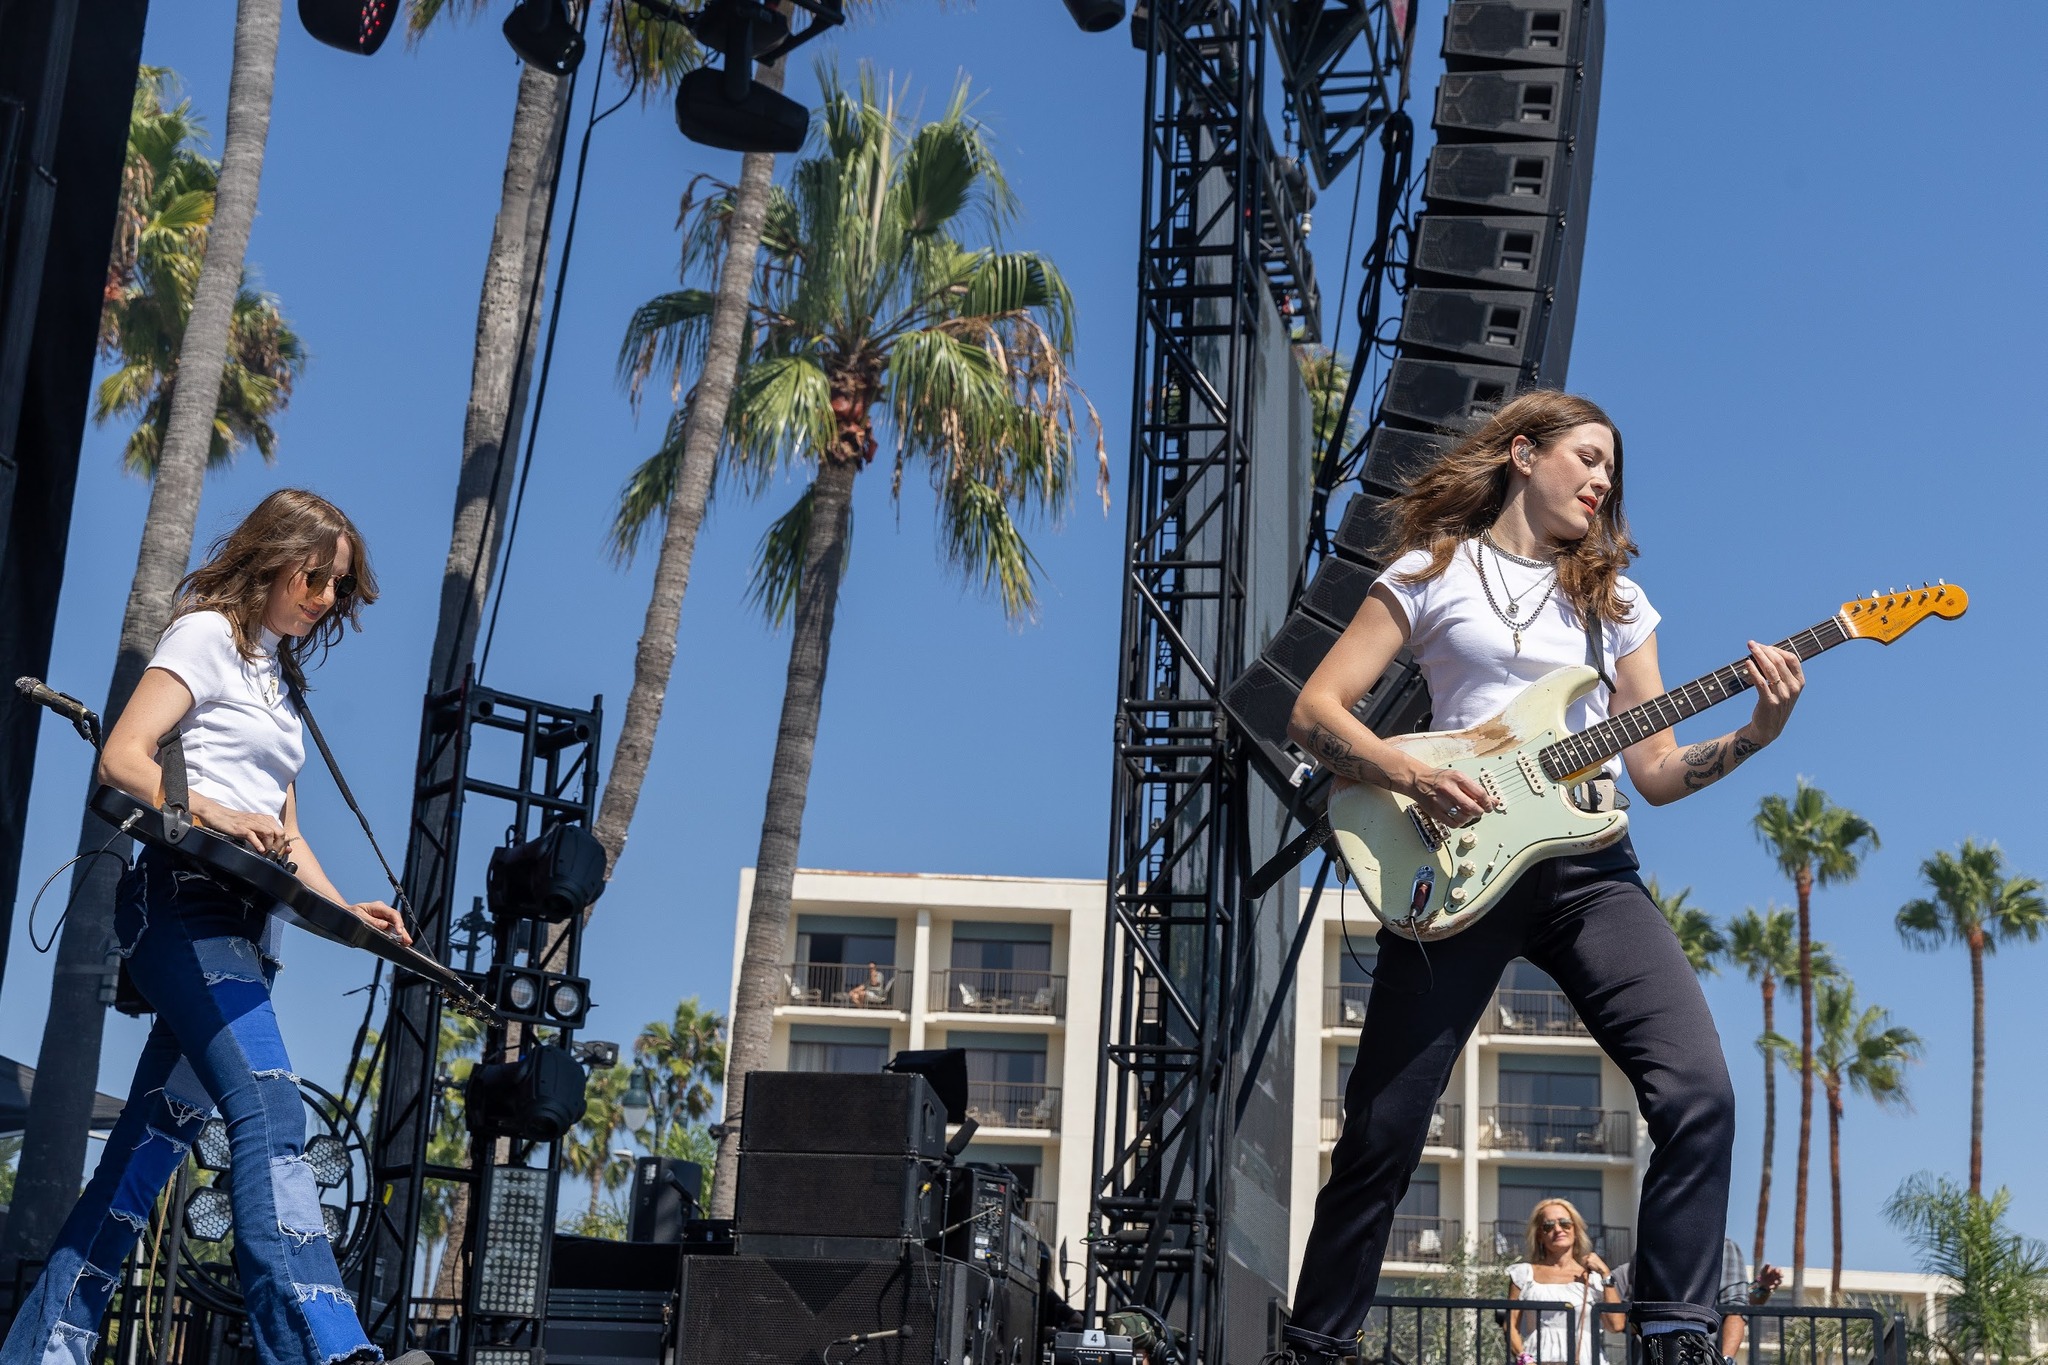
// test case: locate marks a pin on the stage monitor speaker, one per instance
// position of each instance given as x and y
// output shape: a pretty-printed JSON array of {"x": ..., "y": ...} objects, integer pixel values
[
  {"x": 1447, "y": 394},
  {"x": 1516, "y": 177},
  {"x": 758, "y": 1310},
  {"x": 1393, "y": 459},
  {"x": 821, "y": 1111},
  {"x": 1511, "y": 253},
  {"x": 1531, "y": 32},
  {"x": 1338, "y": 590},
  {"x": 1496, "y": 104},
  {"x": 811, "y": 1194},
  {"x": 665, "y": 1198}
]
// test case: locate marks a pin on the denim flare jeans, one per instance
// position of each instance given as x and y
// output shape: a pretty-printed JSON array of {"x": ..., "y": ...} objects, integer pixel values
[{"x": 191, "y": 948}]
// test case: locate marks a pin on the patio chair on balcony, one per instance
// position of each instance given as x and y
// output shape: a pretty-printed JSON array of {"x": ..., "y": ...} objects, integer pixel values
[
  {"x": 1041, "y": 1000},
  {"x": 1436, "y": 1129},
  {"x": 1038, "y": 1114},
  {"x": 1429, "y": 1244},
  {"x": 1351, "y": 1009}
]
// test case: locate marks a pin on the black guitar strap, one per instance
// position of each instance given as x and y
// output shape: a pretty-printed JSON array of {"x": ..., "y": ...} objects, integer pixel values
[
  {"x": 1596, "y": 649},
  {"x": 298, "y": 697}
]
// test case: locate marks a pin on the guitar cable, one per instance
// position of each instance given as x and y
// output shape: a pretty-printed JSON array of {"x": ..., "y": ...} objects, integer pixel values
[{"x": 104, "y": 850}]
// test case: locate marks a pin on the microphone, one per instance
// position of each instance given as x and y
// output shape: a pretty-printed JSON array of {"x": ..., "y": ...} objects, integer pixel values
[{"x": 69, "y": 707}]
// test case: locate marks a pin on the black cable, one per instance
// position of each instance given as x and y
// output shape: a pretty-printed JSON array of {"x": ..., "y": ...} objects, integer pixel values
[
  {"x": 547, "y": 360},
  {"x": 104, "y": 850}
]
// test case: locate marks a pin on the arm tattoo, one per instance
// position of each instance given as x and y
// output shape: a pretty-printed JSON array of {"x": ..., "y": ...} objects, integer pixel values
[
  {"x": 1704, "y": 763},
  {"x": 1744, "y": 747},
  {"x": 1335, "y": 753}
]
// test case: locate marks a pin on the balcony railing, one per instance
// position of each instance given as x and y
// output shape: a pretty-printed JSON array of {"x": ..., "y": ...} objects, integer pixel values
[
  {"x": 1013, "y": 1104},
  {"x": 1446, "y": 1123},
  {"x": 1344, "y": 1004},
  {"x": 1422, "y": 1237},
  {"x": 847, "y": 985},
  {"x": 977, "y": 990},
  {"x": 1556, "y": 1128},
  {"x": 1504, "y": 1242},
  {"x": 1542, "y": 1012}
]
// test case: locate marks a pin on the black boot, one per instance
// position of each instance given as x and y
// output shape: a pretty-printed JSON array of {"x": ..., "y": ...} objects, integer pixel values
[
  {"x": 1301, "y": 1347},
  {"x": 1690, "y": 1346}
]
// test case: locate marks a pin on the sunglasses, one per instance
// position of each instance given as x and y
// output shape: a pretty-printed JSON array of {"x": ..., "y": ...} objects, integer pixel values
[
  {"x": 344, "y": 584},
  {"x": 1550, "y": 1224}
]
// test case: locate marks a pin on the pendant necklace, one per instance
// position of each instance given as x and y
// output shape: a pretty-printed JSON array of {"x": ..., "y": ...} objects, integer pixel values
[{"x": 1511, "y": 617}]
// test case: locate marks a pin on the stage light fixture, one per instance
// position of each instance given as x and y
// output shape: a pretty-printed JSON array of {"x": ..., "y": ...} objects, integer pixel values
[
  {"x": 728, "y": 108},
  {"x": 1096, "y": 16},
  {"x": 209, "y": 1214},
  {"x": 335, "y": 1221},
  {"x": 537, "y": 1098},
  {"x": 519, "y": 992},
  {"x": 358, "y": 26},
  {"x": 553, "y": 877},
  {"x": 211, "y": 1148},
  {"x": 514, "y": 1238},
  {"x": 543, "y": 32},
  {"x": 636, "y": 1104},
  {"x": 566, "y": 1002},
  {"x": 328, "y": 1156}
]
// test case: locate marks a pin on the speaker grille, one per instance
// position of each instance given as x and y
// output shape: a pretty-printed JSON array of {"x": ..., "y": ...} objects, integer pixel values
[{"x": 753, "y": 1310}]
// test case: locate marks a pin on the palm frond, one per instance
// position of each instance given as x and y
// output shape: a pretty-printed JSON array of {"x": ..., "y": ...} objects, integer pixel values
[
  {"x": 779, "y": 561},
  {"x": 667, "y": 333},
  {"x": 645, "y": 496}
]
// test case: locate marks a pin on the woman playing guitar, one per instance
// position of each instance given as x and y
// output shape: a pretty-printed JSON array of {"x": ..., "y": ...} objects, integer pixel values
[
  {"x": 273, "y": 590},
  {"x": 1510, "y": 556}
]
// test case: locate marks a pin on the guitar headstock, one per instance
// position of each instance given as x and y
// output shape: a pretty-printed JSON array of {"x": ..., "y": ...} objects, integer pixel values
[{"x": 1884, "y": 617}]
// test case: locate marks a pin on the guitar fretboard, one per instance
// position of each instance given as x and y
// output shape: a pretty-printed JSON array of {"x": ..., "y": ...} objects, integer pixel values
[{"x": 1596, "y": 744}]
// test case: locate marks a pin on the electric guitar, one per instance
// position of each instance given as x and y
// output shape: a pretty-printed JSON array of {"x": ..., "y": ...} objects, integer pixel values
[
  {"x": 237, "y": 865},
  {"x": 1428, "y": 881}
]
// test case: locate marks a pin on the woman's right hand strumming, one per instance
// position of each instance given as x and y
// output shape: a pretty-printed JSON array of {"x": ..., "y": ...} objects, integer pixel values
[
  {"x": 264, "y": 833},
  {"x": 1446, "y": 795}
]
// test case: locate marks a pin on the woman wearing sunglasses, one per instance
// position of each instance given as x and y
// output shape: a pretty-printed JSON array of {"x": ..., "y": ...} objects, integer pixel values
[
  {"x": 1562, "y": 1272},
  {"x": 273, "y": 591}
]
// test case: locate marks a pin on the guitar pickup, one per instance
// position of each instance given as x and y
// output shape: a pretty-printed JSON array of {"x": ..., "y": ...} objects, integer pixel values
[{"x": 1529, "y": 773}]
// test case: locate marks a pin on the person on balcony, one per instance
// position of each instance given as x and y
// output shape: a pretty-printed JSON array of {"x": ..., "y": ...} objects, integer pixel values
[
  {"x": 1506, "y": 565},
  {"x": 1562, "y": 1269}
]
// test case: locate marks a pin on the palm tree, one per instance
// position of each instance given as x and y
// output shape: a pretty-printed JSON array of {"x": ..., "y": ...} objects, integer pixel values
[
  {"x": 679, "y": 1060},
  {"x": 1815, "y": 843},
  {"x": 1762, "y": 945},
  {"x": 53, "y": 1150},
  {"x": 1977, "y": 905},
  {"x": 872, "y": 315},
  {"x": 1999, "y": 1279},
  {"x": 1326, "y": 376},
  {"x": 1860, "y": 1051},
  {"x": 1697, "y": 933}
]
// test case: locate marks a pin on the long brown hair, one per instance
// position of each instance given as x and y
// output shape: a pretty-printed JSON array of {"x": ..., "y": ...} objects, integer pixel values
[
  {"x": 290, "y": 530},
  {"x": 1532, "y": 1241},
  {"x": 1462, "y": 494}
]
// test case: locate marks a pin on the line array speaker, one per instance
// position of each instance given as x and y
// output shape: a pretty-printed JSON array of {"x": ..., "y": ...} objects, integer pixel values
[{"x": 1495, "y": 271}]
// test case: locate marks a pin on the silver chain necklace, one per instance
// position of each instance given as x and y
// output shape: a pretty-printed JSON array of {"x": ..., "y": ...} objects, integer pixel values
[{"x": 1511, "y": 618}]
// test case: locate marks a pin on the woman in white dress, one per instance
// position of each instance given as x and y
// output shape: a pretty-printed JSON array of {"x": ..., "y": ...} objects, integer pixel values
[{"x": 1562, "y": 1269}]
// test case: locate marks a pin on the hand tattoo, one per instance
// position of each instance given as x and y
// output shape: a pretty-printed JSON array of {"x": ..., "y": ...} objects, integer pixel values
[
  {"x": 1704, "y": 764},
  {"x": 1335, "y": 753}
]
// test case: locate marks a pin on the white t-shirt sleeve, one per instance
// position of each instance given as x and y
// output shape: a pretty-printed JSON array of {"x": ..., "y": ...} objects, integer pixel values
[
  {"x": 199, "y": 649},
  {"x": 1413, "y": 597},
  {"x": 1642, "y": 623}
]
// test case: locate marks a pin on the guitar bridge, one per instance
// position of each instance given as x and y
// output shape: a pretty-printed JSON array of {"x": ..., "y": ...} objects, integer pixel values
[{"x": 1427, "y": 829}]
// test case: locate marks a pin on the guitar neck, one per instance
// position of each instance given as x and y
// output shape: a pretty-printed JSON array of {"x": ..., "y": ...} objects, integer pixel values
[{"x": 1597, "y": 743}]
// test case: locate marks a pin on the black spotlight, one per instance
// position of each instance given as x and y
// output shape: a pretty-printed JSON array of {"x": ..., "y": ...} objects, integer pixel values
[
  {"x": 537, "y": 1098},
  {"x": 551, "y": 878},
  {"x": 358, "y": 26},
  {"x": 728, "y": 108},
  {"x": 544, "y": 33},
  {"x": 1096, "y": 16}
]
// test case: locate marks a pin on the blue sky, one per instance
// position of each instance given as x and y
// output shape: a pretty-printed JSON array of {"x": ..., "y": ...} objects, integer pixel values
[{"x": 1808, "y": 301}]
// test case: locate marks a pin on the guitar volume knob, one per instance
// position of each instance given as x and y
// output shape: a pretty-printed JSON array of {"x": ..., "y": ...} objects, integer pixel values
[
  {"x": 1457, "y": 895},
  {"x": 1466, "y": 841},
  {"x": 1467, "y": 868}
]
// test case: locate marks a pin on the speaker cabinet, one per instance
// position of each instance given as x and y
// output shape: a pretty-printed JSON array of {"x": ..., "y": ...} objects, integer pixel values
[
  {"x": 816, "y": 1111},
  {"x": 1447, "y": 394},
  {"x": 1528, "y": 32},
  {"x": 1338, "y": 590},
  {"x": 815, "y": 1195},
  {"x": 759, "y": 1310},
  {"x": 665, "y": 1195}
]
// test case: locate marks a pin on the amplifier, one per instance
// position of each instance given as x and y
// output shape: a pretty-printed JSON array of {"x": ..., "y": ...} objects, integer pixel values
[
  {"x": 979, "y": 1202},
  {"x": 917, "y": 1309},
  {"x": 897, "y": 1197},
  {"x": 829, "y": 1112},
  {"x": 607, "y": 1327}
]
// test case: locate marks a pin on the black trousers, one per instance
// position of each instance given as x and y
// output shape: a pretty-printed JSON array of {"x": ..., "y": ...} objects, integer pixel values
[{"x": 1591, "y": 925}]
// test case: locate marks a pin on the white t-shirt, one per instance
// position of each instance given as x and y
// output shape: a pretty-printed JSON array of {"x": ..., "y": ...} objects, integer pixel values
[
  {"x": 243, "y": 739},
  {"x": 1467, "y": 654}
]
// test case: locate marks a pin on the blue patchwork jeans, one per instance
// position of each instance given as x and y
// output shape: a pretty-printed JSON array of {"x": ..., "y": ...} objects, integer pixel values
[{"x": 191, "y": 947}]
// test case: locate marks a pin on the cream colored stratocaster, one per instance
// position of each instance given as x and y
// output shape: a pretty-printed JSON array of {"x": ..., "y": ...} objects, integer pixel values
[{"x": 1427, "y": 881}]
